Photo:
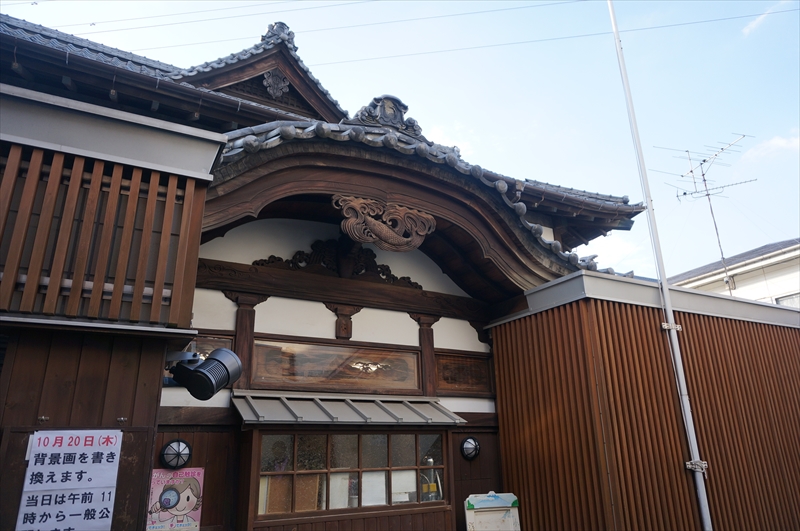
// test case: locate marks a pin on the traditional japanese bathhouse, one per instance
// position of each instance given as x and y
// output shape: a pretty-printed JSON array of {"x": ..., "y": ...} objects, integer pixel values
[
  {"x": 350, "y": 262},
  {"x": 395, "y": 307},
  {"x": 353, "y": 265}
]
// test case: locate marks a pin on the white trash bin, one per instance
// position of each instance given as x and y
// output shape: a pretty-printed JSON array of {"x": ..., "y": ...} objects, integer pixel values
[{"x": 492, "y": 512}]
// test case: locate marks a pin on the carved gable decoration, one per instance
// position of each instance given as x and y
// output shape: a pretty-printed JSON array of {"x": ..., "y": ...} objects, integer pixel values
[
  {"x": 276, "y": 83},
  {"x": 390, "y": 227},
  {"x": 388, "y": 111},
  {"x": 342, "y": 258}
]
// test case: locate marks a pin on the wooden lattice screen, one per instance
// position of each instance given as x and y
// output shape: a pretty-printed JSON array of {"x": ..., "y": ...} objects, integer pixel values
[{"x": 87, "y": 238}]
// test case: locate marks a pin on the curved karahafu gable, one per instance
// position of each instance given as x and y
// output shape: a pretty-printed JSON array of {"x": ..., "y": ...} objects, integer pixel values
[{"x": 387, "y": 184}]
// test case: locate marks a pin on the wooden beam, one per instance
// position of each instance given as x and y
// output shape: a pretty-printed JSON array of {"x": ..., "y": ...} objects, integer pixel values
[
  {"x": 428, "y": 361},
  {"x": 229, "y": 276}
]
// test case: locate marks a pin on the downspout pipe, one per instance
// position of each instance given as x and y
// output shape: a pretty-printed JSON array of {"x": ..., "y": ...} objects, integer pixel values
[{"x": 696, "y": 465}]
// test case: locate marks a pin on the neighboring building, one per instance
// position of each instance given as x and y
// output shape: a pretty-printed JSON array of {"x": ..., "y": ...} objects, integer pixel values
[
  {"x": 770, "y": 273},
  {"x": 387, "y": 299}
]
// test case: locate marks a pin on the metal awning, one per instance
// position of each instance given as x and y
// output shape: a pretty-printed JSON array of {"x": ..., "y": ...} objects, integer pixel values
[{"x": 268, "y": 407}]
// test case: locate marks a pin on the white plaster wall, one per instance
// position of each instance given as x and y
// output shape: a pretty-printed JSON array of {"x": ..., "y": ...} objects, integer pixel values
[
  {"x": 765, "y": 284},
  {"x": 211, "y": 309},
  {"x": 770, "y": 282},
  {"x": 180, "y": 397},
  {"x": 283, "y": 237},
  {"x": 547, "y": 233},
  {"x": 264, "y": 237},
  {"x": 420, "y": 268},
  {"x": 468, "y": 405},
  {"x": 294, "y": 317},
  {"x": 384, "y": 326},
  {"x": 457, "y": 334}
]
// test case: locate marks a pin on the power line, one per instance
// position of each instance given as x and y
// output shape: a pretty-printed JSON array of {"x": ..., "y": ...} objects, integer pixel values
[
  {"x": 371, "y": 24},
  {"x": 583, "y": 35},
  {"x": 431, "y": 52},
  {"x": 223, "y": 18},
  {"x": 29, "y": 2},
  {"x": 174, "y": 15}
]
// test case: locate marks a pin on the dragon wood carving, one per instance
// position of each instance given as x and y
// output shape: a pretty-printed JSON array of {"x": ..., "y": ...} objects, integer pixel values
[{"x": 389, "y": 227}]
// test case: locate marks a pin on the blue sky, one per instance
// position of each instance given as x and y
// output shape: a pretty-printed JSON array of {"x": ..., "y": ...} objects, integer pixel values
[{"x": 550, "y": 107}]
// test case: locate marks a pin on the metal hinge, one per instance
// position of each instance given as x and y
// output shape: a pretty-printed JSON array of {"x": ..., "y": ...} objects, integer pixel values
[
  {"x": 667, "y": 326},
  {"x": 698, "y": 466}
]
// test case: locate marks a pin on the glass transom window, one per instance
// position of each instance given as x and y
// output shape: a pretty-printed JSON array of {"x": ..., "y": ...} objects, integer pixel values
[{"x": 297, "y": 365}]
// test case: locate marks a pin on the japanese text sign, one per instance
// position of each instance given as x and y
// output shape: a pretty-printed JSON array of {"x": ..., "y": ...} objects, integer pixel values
[{"x": 70, "y": 481}]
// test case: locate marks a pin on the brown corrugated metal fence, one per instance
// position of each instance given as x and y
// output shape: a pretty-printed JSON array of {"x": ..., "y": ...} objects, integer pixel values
[
  {"x": 744, "y": 382},
  {"x": 589, "y": 421},
  {"x": 591, "y": 430}
]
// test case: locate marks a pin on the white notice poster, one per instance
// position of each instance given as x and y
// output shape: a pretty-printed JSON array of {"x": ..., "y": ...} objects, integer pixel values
[{"x": 71, "y": 481}]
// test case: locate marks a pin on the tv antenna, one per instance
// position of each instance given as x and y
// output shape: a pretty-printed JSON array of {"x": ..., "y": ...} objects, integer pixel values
[{"x": 700, "y": 186}]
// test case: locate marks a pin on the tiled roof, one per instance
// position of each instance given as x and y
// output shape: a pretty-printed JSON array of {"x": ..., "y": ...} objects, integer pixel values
[
  {"x": 267, "y": 136},
  {"x": 734, "y": 260},
  {"x": 75, "y": 46},
  {"x": 26, "y": 31},
  {"x": 574, "y": 192},
  {"x": 278, "y": 34}
]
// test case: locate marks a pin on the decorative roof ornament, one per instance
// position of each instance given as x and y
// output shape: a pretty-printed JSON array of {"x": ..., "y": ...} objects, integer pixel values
[
  {"x": 389, "y": 227},
  {"x": 276, "y": 83},
  {"x": 389, "y": 111},
  {"x": 279, "y": 32}
]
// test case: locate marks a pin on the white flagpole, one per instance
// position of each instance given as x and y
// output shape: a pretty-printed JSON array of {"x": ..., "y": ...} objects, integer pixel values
[{"x": 696, "y": 465}]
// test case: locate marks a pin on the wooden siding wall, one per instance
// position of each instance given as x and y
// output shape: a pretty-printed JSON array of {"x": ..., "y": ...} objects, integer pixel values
[
  {"x": 590, "y": 429},
  {"x": 217, "y": 452},
  {"x": 744, "y": 382},
  {"x": 478, "y": 476},
  {"x": 438, "y": 518},
  {"x": 101, "y": 240},
  {"x": 80, "y": 380}
]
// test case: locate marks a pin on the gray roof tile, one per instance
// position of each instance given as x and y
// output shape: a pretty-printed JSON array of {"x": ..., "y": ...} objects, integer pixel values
[
  {"x": 76, "y": 46},
  {"x": 278, "y": 34}
]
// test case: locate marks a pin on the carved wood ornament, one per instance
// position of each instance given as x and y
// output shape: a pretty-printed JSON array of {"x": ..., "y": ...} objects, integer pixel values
[
  {"x": 276, "y": 83},
  {"x": 344, "y": 318},
  {"x": 341, "y": 258},
  {"x": 390, "y": 227}
]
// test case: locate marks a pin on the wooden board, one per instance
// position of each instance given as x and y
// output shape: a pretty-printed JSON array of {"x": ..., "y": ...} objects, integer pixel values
[{"x": 216, "y": 274}]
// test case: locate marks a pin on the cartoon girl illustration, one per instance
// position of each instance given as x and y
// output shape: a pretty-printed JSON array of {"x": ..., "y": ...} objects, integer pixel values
[{"x": 177, "y": 501}]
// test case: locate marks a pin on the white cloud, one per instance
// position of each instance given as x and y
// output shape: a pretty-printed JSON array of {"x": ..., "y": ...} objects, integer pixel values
[
  {"x": 747, "y": 30},
  {"x": 772, "y": 147}
]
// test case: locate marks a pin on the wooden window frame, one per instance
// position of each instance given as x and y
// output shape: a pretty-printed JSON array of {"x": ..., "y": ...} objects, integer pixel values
[{"x": 271, "y": 518}]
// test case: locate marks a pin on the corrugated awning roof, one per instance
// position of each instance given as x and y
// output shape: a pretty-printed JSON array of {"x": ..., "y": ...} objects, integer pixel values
[{"x": 264, "y": 407}]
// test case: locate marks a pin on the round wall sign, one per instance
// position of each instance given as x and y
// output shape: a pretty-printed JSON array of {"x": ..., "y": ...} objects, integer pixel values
[
  {"x": 470, "y": 448},
  {"x": 176, "y": 453}
]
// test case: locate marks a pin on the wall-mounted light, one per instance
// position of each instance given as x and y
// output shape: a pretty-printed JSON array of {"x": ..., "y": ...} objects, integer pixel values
[
  {"x": 175, "y": 454},
  {"x": 470, "y": 448}
]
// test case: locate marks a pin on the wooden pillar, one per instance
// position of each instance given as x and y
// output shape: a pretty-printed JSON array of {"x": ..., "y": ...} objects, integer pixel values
[
  {"x": 344, "y": 318},
  {"x": 245, "y": 327},
  {"x": 428, "y": 361}
]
